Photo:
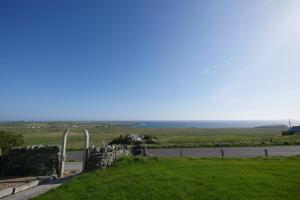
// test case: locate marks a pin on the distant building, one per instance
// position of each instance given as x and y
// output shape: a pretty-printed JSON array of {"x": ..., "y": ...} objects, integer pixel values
[
  {"x": 136, "y": 138},
  {"x": 295, "y": 130}
]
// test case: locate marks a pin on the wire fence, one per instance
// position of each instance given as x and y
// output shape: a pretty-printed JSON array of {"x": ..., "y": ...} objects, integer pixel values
[{"x": 227, "y": 151}]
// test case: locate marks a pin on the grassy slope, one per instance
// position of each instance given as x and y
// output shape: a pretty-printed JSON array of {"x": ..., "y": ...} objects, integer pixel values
[{"x": 187, "y": 179}]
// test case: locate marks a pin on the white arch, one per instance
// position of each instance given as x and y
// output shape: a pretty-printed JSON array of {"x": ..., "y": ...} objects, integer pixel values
[{"x": 63, "y": 150}]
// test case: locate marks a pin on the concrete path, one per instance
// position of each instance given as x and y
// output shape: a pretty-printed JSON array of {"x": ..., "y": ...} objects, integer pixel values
[
  {"x": 74, "y": 155},
  {"x": 33, "y": 192},
  {"x": 75, "y": 167}
]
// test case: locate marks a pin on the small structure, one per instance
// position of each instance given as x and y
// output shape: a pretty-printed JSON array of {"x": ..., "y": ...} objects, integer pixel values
[
  {"x": 136, "y": 137},
  {"x": 294, "y": 130},
  {"x": 63, "y": 151}
]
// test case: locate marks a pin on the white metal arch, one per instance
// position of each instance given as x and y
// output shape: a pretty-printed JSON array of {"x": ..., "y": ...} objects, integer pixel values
[{"x": 63, "y": 150}]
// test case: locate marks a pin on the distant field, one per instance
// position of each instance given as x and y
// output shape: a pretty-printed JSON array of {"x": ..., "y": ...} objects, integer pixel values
[
  {"x": 175, "y": 137},
  {"x": 157, "y": 178}
]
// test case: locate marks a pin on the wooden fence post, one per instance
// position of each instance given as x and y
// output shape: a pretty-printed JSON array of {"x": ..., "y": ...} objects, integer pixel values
[
  {"x": 266, "y": 153},
  {"x": 144, "y": 151},
  {"x": 222, "y": 151}
]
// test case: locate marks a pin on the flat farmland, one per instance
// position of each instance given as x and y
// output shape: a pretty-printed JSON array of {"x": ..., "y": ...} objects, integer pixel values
[{"x": 167, "y": 137}]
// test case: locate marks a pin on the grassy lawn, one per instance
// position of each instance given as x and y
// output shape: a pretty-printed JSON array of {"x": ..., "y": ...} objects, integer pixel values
[
  {"x": 158, "y": 178},
  {"x": 168, "y": 137}
]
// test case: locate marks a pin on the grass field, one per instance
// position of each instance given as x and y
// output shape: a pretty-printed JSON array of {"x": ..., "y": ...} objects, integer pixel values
[
  {"x": 173, "y": 137},
  {"x": 193, "y": 137},
  {"x": 157, "y": 178}
]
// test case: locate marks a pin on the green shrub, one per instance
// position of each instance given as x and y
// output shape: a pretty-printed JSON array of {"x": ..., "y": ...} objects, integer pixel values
[
  {"x": 122, "y": 139},
  {"x": 9, "y": 139},
  {"x": 127, "y": 139}
]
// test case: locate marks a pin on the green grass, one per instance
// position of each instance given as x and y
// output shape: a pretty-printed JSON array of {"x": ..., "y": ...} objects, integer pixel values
[
  {"x": 158, "y": 178},
  {"x": 168, "y": 137}
]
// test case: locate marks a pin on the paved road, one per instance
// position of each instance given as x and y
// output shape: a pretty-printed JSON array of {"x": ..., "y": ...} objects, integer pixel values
[{"x": 240, "y": 152}]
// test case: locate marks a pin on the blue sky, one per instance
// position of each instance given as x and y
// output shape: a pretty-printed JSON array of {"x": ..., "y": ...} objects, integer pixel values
[{"x": 149, "y": 60}]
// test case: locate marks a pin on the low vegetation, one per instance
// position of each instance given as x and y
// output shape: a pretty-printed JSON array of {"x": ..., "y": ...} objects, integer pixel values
[
  {"x": 51, "y": 133},
  {"x": 9, "y": 139},
  {"x": 130, "y": 140},
  {"x": 157, "y": 178}
]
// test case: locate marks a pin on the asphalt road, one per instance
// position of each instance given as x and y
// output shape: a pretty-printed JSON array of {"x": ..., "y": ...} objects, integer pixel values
[{"x": 239, "y": 152}]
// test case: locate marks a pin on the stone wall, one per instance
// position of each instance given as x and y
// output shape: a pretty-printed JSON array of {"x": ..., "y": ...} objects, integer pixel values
[
  {"x": 101, "y": 157},
  {"x": 34, "y": 160}
]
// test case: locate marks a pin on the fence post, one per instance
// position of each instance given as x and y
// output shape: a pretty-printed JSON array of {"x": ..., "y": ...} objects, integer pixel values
[
  {"x": 144, "y": 151},
  {"x": 266, "y": 153},
  {"x": 222, "y": 151}
]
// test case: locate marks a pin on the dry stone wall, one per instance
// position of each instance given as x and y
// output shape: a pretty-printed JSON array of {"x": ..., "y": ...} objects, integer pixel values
[
  {"x": 34, "y": 160},
  {"x": 101, "y": 157}
]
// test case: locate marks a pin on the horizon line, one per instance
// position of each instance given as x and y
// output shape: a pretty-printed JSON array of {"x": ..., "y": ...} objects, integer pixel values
[{"x": 131, "y": 120}]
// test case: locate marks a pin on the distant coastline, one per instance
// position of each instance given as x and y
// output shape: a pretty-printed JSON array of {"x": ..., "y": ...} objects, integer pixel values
[
  {"x": 158, "y": 124},
  {"x": 212, "y": 124}
]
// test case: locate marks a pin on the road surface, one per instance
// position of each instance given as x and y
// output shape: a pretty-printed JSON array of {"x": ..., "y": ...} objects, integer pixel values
[{"x": 239, "y": 152}]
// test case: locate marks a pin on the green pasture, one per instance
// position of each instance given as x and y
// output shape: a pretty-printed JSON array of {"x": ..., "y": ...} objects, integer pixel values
[{"x": 168, "y": 137}]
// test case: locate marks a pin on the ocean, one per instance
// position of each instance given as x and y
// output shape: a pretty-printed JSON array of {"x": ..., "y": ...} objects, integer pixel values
[{"x": 205, "y": 123}]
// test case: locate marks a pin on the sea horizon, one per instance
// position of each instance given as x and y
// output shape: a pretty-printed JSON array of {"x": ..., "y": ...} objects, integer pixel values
[{"x": 177, "y": 123}]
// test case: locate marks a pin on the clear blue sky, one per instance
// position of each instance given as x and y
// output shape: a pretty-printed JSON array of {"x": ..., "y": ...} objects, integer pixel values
[{"x": 149, "y": 60}]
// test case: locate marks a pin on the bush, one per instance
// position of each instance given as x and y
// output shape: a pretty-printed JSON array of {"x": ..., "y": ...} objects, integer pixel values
[
  {"x": 9, "y": 139},
  {"x": 122, "y": 140},
  {"x": 127, "y": 139}
]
